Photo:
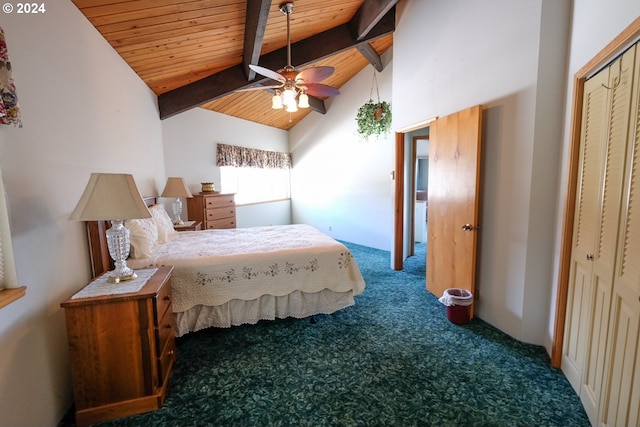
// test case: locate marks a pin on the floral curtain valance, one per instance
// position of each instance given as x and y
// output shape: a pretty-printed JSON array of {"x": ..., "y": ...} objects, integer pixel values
[
  {"x": 232, "y": 155},
  {"x": 9, "y": 110}
]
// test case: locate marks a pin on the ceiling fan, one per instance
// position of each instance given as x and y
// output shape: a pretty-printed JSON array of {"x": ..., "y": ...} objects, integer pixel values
[{"x": 294, "y": 83}]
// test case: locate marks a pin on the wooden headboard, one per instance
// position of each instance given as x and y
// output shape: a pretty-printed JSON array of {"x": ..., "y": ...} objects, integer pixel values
[{"x": 101, "y": 261}]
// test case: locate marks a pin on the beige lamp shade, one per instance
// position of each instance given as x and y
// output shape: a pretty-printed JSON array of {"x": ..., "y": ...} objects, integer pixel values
[
  {"x": 110, "y": 196},
  {"x": 176, "y": 188}
]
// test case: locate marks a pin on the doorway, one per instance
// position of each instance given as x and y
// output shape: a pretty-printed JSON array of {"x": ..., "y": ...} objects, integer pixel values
[
  {"x": 412, "y": 145},
  {"x": 453, "y": 187}
]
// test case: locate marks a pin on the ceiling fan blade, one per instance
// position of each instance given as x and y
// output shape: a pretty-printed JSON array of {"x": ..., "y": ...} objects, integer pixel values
[
  {"x": 267, "y": 72},
  {"x": 317, "y": 89},
  {"x": 247, "y": 89},
  {"x": 314, "y": 74}
]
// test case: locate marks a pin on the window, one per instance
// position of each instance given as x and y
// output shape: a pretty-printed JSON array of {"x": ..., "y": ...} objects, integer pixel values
[
  {"x": 253, "y": 175},
  {"x": 253, "y": 185}
]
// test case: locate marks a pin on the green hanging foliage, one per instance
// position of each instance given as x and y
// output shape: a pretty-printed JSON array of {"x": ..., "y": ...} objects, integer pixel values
[{"x": 374, "y": 118}]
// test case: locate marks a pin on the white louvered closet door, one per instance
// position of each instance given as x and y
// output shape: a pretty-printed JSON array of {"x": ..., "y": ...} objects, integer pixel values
[
  {"x": 605, "y": 133},
  {"x": 620, "y": 403},
  {"x": 580, "y": 295}
]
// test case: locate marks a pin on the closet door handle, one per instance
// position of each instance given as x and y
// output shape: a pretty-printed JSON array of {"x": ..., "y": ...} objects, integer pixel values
[{"x": 589, "y": 257}]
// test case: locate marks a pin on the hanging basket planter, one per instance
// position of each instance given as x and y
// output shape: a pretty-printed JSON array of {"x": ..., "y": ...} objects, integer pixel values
[{"x": 374, "y": 118}]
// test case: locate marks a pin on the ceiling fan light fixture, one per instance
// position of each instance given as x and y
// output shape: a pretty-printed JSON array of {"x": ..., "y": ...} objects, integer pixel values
[
  {"x": 292, "y": 108},
  {"x": 291, "y": 83},
  {"x": 288, "y": 97},
  {"x": 303, "y": 100},
  {"x": 276, "y": 101}
]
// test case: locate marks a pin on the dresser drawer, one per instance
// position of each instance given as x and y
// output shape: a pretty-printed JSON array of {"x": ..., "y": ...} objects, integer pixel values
[
  {"x": 219, "y": 213},
  {"x": 163, "y": 301},
  {"x": 221, "y": 223},
  {"x": 166, "y": 359},
  {"x": 218, "y": 201},
  {"x": 165, "y": 331}
]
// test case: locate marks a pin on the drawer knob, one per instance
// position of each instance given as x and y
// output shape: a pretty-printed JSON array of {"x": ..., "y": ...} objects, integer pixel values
[{"x": 167, "y": 298}]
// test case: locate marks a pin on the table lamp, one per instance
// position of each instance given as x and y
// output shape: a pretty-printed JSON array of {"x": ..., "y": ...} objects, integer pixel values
[
  {"x": 176, "y": 187},
  {"x": 113, "y": 197}
]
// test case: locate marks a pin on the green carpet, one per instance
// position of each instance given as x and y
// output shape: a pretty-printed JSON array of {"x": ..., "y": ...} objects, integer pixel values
[{"x": 393, "y": 359}]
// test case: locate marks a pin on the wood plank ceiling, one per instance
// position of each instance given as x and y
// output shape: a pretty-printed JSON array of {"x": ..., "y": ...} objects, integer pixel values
[{"x": 195, "y": 53}]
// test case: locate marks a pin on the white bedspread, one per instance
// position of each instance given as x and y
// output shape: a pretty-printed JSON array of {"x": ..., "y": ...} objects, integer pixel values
[{"x": 212, "y": 267}]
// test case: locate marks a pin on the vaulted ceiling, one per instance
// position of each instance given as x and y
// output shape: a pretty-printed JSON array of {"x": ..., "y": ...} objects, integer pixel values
[{"x": 195, "y": 53}]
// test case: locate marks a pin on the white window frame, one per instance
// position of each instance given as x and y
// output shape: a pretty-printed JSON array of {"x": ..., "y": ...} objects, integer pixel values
[{"x": 255, "y": 185}]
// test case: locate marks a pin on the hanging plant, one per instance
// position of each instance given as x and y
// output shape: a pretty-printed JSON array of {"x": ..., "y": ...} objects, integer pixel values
[{"x": 374, "y": 118}]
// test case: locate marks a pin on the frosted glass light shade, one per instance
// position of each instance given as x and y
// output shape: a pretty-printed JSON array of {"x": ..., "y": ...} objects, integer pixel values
[
  {"x": 276, "y": 101},
  {"x": 288, "y": 97},
  {"x": 303, "y": 101}
]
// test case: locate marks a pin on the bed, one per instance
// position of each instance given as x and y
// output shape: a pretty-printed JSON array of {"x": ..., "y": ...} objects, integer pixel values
[{"x": 229, "y": 277}]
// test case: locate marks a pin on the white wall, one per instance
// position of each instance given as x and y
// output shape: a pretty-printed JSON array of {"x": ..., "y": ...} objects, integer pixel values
[
  {"x": 342, "y": 185},
  {"x": 456, "y": 54},
  {"x": 84, "y": 110},
  {"x": 190, "y": 142}
]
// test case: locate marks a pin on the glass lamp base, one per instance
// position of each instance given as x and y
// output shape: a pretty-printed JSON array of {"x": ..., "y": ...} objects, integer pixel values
[
  {"x": 177, "y": 211},
  {"x": 114, "y": 278},
  {"x": 118, "y": 241}
]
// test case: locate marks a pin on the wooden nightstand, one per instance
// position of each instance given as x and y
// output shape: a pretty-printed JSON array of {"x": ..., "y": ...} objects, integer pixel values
[
  {"x": 188, "y": 226},
  {"x": 122, "y": 349}
]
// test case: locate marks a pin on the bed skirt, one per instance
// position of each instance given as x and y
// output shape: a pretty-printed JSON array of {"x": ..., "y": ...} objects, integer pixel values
[{"x": 237, "y": 312}]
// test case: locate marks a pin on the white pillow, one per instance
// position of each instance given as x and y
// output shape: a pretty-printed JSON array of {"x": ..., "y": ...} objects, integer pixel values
[
  {"x": 144, "y": 236},
  {"x": 164, "y": 223}
]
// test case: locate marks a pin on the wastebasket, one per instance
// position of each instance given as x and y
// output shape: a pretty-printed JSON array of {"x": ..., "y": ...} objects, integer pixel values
[{"x": 458, "y": 302}]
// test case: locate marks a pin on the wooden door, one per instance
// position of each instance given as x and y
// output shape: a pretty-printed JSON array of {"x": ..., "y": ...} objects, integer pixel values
[{"x": 454, "y": 166}]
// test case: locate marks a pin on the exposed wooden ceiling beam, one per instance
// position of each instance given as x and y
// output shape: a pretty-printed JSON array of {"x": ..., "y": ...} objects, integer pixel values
[
  {"x": 255, "y": 25},
  {"x": 369, "y": 14},
  {"x": 371, "y": 55},
  {"x": 307, "y": 51}
]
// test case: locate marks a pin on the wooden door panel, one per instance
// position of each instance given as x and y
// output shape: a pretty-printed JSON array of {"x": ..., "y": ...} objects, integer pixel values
[
  {"x": 579, "y": 299},
  {"x": 454, "y": 158},
  {"x": 620, "y": 405}
]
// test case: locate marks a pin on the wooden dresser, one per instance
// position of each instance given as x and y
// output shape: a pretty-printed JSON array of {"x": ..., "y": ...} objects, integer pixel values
[
  {"x": 214, "y": 210},
  {"x": 122, "y": 350}
]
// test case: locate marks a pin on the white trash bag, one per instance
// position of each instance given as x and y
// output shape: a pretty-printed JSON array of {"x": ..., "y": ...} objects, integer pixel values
[{"x": 455, "y": 296}]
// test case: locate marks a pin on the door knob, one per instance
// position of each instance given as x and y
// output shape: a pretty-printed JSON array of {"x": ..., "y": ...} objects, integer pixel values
[
  {"x": 467, "y": 227},
  {"x": 590, "y": 257}
]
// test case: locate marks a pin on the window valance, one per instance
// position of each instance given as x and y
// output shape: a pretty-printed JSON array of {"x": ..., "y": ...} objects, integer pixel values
[{"x": 232, "y": 155}]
